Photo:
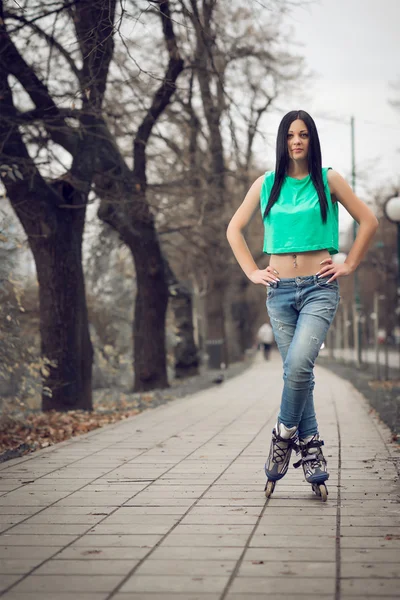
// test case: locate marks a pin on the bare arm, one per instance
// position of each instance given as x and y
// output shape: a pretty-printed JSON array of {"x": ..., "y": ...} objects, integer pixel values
[
  {"x": 368, "y": 224},
  {"x": 234, "y": 233}
]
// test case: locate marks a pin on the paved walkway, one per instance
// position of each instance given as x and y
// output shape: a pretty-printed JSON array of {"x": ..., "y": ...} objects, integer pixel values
[{"x": 169, "y": 505}]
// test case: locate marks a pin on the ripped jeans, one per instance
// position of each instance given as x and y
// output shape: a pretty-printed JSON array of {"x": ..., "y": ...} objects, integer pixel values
[{"x": 301, "y": 310}]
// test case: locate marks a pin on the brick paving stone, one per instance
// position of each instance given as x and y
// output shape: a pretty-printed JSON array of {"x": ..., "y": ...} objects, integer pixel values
[
  {"x": 225, "y": 510},
  {"x": 132, "y": 528},
  {"x": 38, "y": 499},
  {"x": 267, "y": 555},
  {"x": 371, "y": 587},
  {"x": 213, "y": 528},
  {"x": 184, "y": 567},
  {"x": 86, "y": 567},
  {"x": 29, "y": 528},
  {"x": 123, "y": 517},
  {"x": 372, "y": 555},
  {"x": 375, "y": 531},
  {"x": 182, "y": 503},
  {"x": 172, "y": 500},
  {"x": 166, "y": 596},
  {"x": 175, "y": 583},
  {"x": 51, "y": 596},
  {"x": 102, "y": 553},
  {"x": 296, "y": 541},
  {"x": 346, "y": 596},
  {"x": 206, "y": 540},
  {"x": 44, "y": 518},
  {"x": 279, "y": 587},
  {"x": 310, "y": 528},
  {"x": 128, "y": 541},
  {"x": 57, "y": 510},
  {"x": 286, "y": 569},
  {"x": 276, "y": 520},
  {"x": 196, "y": 519},
  {"x": 371, "y": 542},
  {"x": 272, "y": 594},
  {"x": 95, "y": 499},
  {"x": 66, "y": 583},
  {"x": 23, "y": 540},
  {"x": 129, "y": 509},
  {"x": 197, "y": 553},
  {"x": 370, "y": 569},
  {"x": 24, "y": 552},
  {"x": 373, "y": 509},
  {"x": 370, "y": 521}
]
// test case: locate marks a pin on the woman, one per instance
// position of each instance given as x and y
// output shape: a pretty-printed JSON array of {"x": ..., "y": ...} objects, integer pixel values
[{"x": 300, "y": 214}]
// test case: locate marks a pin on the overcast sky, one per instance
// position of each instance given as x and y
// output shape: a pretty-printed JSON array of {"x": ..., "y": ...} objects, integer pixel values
[{"x": 353, "y": 47}]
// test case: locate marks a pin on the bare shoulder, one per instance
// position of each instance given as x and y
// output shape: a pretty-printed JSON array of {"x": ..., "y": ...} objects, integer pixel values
[
  {"x": 334, "y": 179},
  {"x": 253, "y": 194},
  {"x": 345, "y": 195},
  {"x": 257, "y": 184}
]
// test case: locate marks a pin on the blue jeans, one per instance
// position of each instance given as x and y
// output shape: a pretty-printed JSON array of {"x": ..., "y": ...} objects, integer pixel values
[{"x": 301, "y": 310}]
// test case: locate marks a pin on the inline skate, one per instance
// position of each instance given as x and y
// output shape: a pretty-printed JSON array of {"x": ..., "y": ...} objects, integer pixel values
[
  {"x": 314, "y": 464},
  {"x": 284, "y": 440}
]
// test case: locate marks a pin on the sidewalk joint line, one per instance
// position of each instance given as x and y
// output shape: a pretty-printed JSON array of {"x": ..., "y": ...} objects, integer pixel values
[
  {"x": 15, "y": 583},
  {"x": 246, "y": 547},
  {"x": 142, "y": 560}
]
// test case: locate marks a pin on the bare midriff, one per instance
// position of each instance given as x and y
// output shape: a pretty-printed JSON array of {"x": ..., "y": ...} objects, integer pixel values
[{"x": 299, "y": 264}]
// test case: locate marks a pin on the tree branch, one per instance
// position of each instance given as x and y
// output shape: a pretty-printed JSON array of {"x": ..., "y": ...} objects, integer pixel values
[
  {"x": 161, "y": 98},
  {"x": 14, "y": 64},
  {"x": 51, "y": 41}
]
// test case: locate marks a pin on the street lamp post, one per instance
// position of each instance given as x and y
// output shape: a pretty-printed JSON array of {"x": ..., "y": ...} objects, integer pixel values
[
  {"x": 357, "y": 302},
  {"x": 391, "y": 209},
  {"x": 339, "y": 328}
]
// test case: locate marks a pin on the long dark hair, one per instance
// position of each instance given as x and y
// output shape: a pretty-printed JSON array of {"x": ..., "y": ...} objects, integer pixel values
[{"x": 314, "y": 160}]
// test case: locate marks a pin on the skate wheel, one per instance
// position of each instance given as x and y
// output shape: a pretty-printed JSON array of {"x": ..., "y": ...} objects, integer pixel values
[
  {"x": 269, "y": 488},
  {"x": 323, "y": 492}
]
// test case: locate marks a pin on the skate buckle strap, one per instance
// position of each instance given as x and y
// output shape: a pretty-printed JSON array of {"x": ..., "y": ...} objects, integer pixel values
[
  {"x": 315, "y": 444},
  {"x": 304, "y": 451}
]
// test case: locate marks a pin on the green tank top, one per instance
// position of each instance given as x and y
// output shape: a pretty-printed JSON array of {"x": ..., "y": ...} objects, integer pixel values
[{"x": 294, "y": 223}]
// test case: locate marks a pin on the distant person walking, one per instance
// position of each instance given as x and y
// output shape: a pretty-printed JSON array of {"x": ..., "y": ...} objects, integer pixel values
[
  {"x": 265, "y": 338},
  {"x": 299, "y": 207}
]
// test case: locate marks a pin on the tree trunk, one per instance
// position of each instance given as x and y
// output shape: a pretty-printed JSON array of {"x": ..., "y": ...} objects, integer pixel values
[
  {"x": 216, "y": 345},
  {"x": 186, "y": 353},
  {"x": 181, "y": 302},
  {"x": 242, "y": 319},
  {"x": 150, "y": 309},
  {"x": 68, "y": 354},
  {"x": 211, "y": 82},
  {"x": 135, "y": 225}
]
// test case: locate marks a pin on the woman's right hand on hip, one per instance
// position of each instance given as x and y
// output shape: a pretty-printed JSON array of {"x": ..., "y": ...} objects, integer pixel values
[{"x": 264, "y": 276}]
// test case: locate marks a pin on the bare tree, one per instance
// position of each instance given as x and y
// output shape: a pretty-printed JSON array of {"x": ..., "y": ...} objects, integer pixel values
[
  {"x": 134, "y": 221},
  {"x": 52, "y": 212},
  {"x": 235, "y": 73},
  {"x": 123, "y": 197}
]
